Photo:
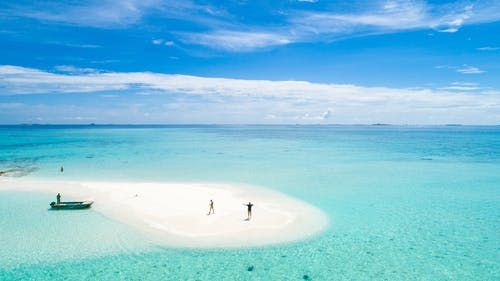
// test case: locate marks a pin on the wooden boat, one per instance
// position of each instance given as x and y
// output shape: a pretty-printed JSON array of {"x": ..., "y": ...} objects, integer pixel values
[{"x": 71, "y": 205}]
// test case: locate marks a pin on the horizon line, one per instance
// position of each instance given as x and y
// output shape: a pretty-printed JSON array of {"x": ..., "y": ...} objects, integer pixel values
[{"x": 248, "y": 124}]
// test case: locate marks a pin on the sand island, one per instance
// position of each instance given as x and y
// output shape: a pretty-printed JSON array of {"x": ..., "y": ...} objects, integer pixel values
[{"x": 176, "y": 214}]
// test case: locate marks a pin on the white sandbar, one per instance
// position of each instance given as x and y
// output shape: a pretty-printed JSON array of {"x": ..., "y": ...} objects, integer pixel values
[{"x": 175, "y": 214}]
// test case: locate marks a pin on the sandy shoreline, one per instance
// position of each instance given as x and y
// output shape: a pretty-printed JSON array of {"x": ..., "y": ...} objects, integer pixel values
[{"x": 175, "y": 214}]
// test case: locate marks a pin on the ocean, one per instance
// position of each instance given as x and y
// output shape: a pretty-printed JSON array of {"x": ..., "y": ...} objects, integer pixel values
[{"x": 404, "y": 202}]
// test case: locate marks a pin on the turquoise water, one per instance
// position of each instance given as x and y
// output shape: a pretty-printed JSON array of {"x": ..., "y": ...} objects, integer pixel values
[{"x": 405, "y": 203}]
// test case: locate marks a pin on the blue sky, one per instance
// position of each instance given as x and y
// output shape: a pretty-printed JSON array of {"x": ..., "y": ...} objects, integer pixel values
[{"x": 294, "y": 61}]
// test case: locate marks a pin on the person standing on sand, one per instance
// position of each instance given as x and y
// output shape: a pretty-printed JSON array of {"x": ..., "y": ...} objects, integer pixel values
[
  {"x": 58, "y": 198},
  {"x": 211, "y": 207},
  {"x": 249, "y": 205}
]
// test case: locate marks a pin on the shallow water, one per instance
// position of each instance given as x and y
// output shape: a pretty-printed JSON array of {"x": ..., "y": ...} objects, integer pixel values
[{"x": 405, "y": 203}]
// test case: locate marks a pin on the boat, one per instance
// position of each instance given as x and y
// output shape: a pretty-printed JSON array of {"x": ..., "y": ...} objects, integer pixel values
[{"x": 71, "y": 205}]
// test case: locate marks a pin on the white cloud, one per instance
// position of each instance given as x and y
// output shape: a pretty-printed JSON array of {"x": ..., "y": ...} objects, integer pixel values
[
  {"x": 79, "y": 118},
  {"x": 445, "y": 67},
  {"x": 110, "y": 13},
  {"x": 75, "y": 70},
  {"x": 236, "y": 40},
  {"x": 460, "y": 88},
  {"x": 201, "y": 99},
  {"x": 157, "y": 41},
  {"x": 454, "y": 19},
  {"x": 316, "y": 117},
  {"x": 467, "y": 69},
  {"x": 109, "y": 96},
  {"x": 392, "y": 16},
  {"x": 103, "y": 14},
  {"x": 488, "y": 48},
  {"x": 149, "y": 93},
  {"x": 463, "y": 86},
  {"x": 20, "y": 80},
  {"x": 327, "y": 114},
  {"x": 84, "y": 46},
  {"x": 162, "y": 42},
  {"x": 226, "y": 32},
  {"x": 449, "y": 30},
  {"x": 34, "y": 81},
  {"x": 308, "y": 1},
  {"x": 104, "y": 61},
  {"x": 464, "y": 69},
  {"x": 465, "y": 83}
]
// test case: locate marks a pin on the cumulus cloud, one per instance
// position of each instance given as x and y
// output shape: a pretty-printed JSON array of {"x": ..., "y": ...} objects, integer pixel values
[
  {"x": 316, "y": 117},
  {"x": 327, "y": 114},
  {"x": 236, "y": 100}
]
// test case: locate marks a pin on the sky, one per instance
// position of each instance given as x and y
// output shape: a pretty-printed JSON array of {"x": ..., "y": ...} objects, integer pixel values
[{"x": 250, "y": 62}]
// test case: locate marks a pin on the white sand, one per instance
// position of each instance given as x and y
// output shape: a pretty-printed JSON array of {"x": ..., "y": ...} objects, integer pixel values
[{"x": 175, "y": 214}]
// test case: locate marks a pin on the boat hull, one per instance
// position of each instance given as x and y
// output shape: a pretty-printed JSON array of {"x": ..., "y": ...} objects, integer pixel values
[{"x": 71, "y": 205}]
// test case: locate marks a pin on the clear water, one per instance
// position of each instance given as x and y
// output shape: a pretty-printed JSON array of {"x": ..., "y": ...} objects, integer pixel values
[{"x": 405, "y": 203}]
